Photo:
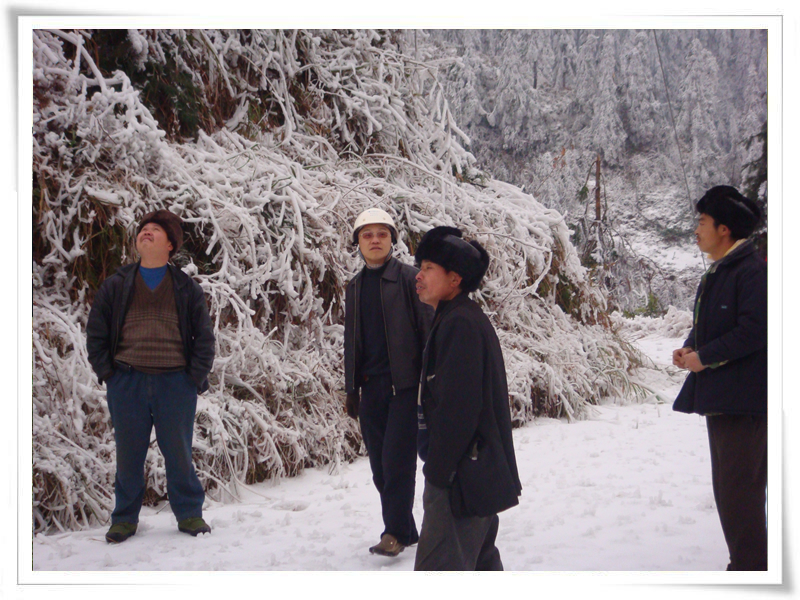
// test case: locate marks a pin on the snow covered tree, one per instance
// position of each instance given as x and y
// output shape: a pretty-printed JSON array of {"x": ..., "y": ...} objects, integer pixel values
[
  {"x": 645, "y": 119},
  {"x": 268, "y": 144},
  {"x": 606, "y": 132},
  {"x": 698, "y": 118},
  {"x": 587, "y": 77},
  {"x": 548, "y": 145}
]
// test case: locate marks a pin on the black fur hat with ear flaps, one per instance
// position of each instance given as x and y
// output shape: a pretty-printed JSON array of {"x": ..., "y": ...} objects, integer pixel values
[
  {"x": 727, "y": 206},
  {"x": 445, "y": 247}
]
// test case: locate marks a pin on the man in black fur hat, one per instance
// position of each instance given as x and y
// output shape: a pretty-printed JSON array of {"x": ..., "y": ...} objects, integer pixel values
[
  {"x": 470, "y": 470},
  {"x": 726, "y": 352}
]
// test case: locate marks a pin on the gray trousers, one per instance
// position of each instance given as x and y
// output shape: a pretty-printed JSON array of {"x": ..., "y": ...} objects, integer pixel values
[{"x": 450, "y": 544}]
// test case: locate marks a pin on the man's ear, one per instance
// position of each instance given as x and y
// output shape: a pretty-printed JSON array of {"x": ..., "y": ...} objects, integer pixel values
[{"x": 724, "y": 230}]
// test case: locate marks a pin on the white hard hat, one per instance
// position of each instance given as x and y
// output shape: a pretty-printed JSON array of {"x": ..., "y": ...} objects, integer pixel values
[{"x": 374, "y": 216}]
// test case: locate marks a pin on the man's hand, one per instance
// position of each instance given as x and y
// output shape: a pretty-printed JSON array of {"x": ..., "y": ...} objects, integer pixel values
[
  {"x": 351, "y": 404},
  {"x": 678, "y": 356},
  {"x": 692, "y": 362}
]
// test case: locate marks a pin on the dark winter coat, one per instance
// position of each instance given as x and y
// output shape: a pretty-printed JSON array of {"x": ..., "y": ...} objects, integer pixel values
[
  {"x": 407, "y": 322},
  {"x": 465, "y": 399},
  {"x": 107, "y": 316},
  {"x": 730, "y": 327}
]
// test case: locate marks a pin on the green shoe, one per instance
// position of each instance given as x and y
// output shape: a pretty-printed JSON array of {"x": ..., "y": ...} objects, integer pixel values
[
  {"x": 193, "y": 526},
  {"x": 119, "y": 532}
]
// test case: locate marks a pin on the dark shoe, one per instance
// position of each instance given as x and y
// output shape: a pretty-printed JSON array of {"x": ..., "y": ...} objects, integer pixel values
[
  {"x": 119, "y": 532},
  {"x": 194, "y": 526},
  {"x": 388, "y": 546}
]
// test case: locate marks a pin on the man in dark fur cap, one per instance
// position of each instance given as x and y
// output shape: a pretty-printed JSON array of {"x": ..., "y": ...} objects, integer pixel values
[
  {"x": 149, "y": 337},
  {"x": 470, "y": 470},
  {"x": 726, "y": 352}
]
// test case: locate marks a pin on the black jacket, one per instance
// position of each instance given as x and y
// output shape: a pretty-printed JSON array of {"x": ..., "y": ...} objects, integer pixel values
[
  {"x": 111, "y": 303},
  {"x": 465, "y": 398},
  {"x": 730, "y": 325},
  {"x": 407, "y": 323}
]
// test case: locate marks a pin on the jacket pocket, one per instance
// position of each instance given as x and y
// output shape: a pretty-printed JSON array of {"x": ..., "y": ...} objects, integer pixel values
[
  {"x": 189, "y": 378},
  {"x": 429, "y": 393},
  {"x": 483, "y": 485},
  {"x": 113, "y": 375}
]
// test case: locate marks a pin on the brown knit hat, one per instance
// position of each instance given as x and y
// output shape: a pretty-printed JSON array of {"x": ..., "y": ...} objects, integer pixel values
[{"x": 170, "y": 222}]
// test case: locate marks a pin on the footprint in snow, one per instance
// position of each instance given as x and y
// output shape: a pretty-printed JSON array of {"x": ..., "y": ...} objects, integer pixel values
[{"x": 292, "y": 506}]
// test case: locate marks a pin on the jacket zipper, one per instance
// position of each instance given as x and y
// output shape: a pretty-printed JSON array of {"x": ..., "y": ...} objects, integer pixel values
[
  {"x": 424, "y": 378},
  {"x": 355, "y": 327},
  {"x": 386, "y": 332},
  {"x": 120, "y": 317}
]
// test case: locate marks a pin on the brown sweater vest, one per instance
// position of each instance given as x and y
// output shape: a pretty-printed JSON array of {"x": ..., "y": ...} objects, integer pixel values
[{"x": 151, "y": 337}]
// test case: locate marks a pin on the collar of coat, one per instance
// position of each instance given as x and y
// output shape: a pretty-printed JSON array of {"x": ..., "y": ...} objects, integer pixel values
[
  {"x": 179, "y": 278},
  {"x": 446, "y": 306},
  {"x": 740, "y": 249},
  {"x": 391, "y": 272}
]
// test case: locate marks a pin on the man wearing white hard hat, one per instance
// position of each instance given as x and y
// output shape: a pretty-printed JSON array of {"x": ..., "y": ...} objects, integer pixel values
[{"x": 386, "y": 327}]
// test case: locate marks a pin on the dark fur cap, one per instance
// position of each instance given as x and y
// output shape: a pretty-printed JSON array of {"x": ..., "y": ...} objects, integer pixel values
[
  {"x": 728, "y": 207},
  {"x": 170, "y": 222},
  {"x": 445, "y": 247}
]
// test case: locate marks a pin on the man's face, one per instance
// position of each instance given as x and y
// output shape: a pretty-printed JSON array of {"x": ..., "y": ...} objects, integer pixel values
[
  {"x": 152, "y": 242},
  {"x": 435, "y": 283},
  {"x": 375, "y": 242},
  {"x": 710, "y": 238}
]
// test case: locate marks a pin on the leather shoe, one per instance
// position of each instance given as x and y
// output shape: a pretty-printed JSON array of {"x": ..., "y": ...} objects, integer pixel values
[{"x": 388, "y": 546}]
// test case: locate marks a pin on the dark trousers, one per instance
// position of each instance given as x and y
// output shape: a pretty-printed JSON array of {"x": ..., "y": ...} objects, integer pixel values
[
  {"x": 389, "y": 429},
  {"x": 739, "y": 476},
  {"x": 137, "y": 402},
  {"x": 450, "y": 544}
]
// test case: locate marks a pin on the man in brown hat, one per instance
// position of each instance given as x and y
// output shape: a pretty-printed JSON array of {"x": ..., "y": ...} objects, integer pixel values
[{"x": 149, "y": 337}]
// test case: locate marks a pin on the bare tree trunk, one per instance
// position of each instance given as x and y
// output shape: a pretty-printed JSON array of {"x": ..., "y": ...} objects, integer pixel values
[{"x": 597, "y": 192}]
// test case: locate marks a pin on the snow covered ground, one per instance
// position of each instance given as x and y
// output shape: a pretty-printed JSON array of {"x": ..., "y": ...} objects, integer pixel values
[{"x": 628, "y": 490}]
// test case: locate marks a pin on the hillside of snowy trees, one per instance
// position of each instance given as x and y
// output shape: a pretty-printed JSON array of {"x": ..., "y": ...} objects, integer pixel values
[
  {"x": 268, "y": 144},
  {"x": 671, "y": 113}
]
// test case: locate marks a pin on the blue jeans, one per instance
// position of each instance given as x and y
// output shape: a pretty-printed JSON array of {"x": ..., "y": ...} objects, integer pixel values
[
  {"x": 389, "y": 429},
  {"x": 138, "y": 401}
]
